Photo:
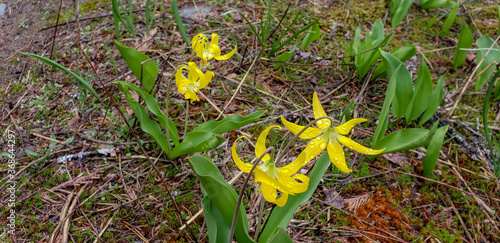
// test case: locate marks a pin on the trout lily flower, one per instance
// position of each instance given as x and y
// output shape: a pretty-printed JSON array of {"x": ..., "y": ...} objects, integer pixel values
[
  {"x": 272, "y": 178},
  {"x": 329, "y": 137},
  {"x": 207, "y": 50},
  {"x": 195, "y": 81}
]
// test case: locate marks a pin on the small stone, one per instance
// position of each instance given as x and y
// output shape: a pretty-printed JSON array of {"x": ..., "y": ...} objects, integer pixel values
[{"x": 3, "y": 7}]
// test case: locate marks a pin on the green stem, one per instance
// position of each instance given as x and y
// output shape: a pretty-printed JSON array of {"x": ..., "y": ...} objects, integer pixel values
[
  {"x": 240, "y": 197},
  {"x": 186, "y": 120},
  {"x": 496, "y": 164},
  {"x": 167, "y": 103}
]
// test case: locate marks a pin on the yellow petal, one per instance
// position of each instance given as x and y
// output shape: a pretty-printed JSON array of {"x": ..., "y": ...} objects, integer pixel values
[
  {"x": 270, "y": 195},
  {"x": 199, "y": 44},
  {"x": 226, "y": 56},
  {"x": 316, "y": 146},
  {"x": 245, "y": 167},
  {"x": 194, "y": 72},
  {"x": 296, "y": 164},
  {"x": 358, "y": 147},
  {"x": 212, "y": 51},
  {"x": 319, "y": 112},
  {"x": 305, "y": 182},
  {"x": 310, "y": 132},
  {"x": 291, "y": 184},
  {"x": 215, "y": 39},
  {"x": 263, "y": 177},
  {"x": 336, "y": 154},
  {"x": 346, "y": 127},
  {"x": 260, "y": 146},
  {"x": 206, "y": 79}
]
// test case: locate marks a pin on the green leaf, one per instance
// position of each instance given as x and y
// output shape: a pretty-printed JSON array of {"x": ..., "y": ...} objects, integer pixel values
[
  {"x": 433, "y": 150},
  {"x": 425, "y": 4},
  {"x": 484, "y": 43},
  {"x": 402, "y": 54},
  {"x": 431, "y": 23},
  {"x": 389, "y": 97},
  {"x": 311, "y": 36},
  {"x": 421, "y": 95},
  {"x": 220, "y": 193},
  {"x": 465, "y": 40},
  {"x": 368, "y": 54},
  {"x": 153, "y": 106},
  {"x": 404, "y": 140},
  {"x": 285, "y": 57},
  {"x": 280, "y": 216},
  {"x": 274, "y": 50},
  {"x": 404, "y": 84},
  {"x": 449, "y": 21},
  {"x": 196, "y": 142},
  {"x": 346, "y": 114},
  {"x": 280, "y": 236},
  {"x": 80, "y": 80},
  {"x": 229, "y": 123},
  {"x": 147, "y": 74},
  {"x": 178, "y": 21},
  {"x": 147, "y": 124},
  {"x": 399, "y": 9},
  {"x": 435, "y": 100},
  {"x": 218, "y": 230}
]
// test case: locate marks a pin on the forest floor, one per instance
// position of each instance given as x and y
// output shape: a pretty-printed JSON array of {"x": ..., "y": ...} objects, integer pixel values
[{"x": 112, "y": 192}]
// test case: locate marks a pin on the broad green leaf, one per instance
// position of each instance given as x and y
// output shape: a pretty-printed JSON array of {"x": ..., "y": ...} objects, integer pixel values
[
  {"x": 484, "y": 43},
  {"x": 465, "y": 41},
  {"x": 220, "y": 193},
  {"x": 435, "y": 100},
  {"x": 152, "y": 105},
  {"x": 388, "y": 100},
  {"x": 404, "y": 84},
  {"x": 229, "y": 123},
  {"x": 218, "y": 230},
  {"x": 280, "y": 216},
  {"x": 311, "y": 36},
  {"x": 399, "y": 9},
  {"x": 433, "y": 150},
  {"x": 178, "y": 21},
  {"x": 375, "y": 39},
  {"x": 147, "y": 124},
  {"x": 404, "y": 140},
  {"x": 80, "y": 80},
  {"x": 449, "y": 21},
  {"x": 147, "y": 74},
  {"x": 425, "y": 4},
  {"x": 281, "y": 237},
  {"x": 402, "y": 54},
  {"x": 196, "y": 142},
  {"x": 285, "y": 56},
  {"x": 421, "y": 95}
]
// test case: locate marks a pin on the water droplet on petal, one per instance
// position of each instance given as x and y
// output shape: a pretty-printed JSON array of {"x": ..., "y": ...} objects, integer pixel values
[
  {"x": 312, "y": 146},
  {"x": 311, "y": 157},
  {"x": 323, "y": 145},
  {"x": 317, "y": 138},
  {"x": 320, "y": 122}
]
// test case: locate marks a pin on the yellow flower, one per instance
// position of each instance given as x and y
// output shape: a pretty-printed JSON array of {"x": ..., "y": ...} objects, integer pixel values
[
  {"x": 329, "y": 137},
  {"x": 271, "y": 178},
  {"x": 207, "y": 51},
  {"x": 195, "y": 81}
]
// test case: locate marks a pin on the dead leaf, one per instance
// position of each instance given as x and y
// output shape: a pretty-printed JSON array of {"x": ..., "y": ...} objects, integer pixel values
[
  {"x": 354, "y": 203},
  {"x": 333, "y": 198},
  {"x": 397, "y": 158},
  {"x": 145, "y": 42}
]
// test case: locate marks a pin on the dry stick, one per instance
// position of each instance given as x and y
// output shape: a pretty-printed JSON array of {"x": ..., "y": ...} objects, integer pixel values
[
  {"x": 459, "y": 218},
  {"x": 137, "y": 139},
  {"x": 47, "y": 138},
  {"x": 107, "y": 225},
  {"x": 238, "y": 88},
  {"x": 62, "y": 216},
  {"x": 55, "y": 31},
  {"x": 471, "y": 77},
  {"x": 240, "y": 197},
  {"x": 69, "y": 214},
  {"x": 212, "y": 104}
]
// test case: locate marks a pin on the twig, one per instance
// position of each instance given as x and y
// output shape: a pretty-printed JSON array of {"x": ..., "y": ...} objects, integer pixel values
[{"x": 117, "y": 209}]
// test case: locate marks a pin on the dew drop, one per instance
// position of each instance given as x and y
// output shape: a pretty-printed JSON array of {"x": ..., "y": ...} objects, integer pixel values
[
  {"x": 293, "y": 164},
  {"x": 312, "y": 146},
  {"x": 320, "y": 122},
  {"x": 323, "y": 145},
  {"x": 311, "y": 157},
  {"x": 317, "y": 138}
]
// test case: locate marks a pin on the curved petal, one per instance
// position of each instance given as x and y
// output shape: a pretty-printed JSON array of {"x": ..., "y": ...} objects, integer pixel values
[
  {"x": 179, "y": 76},
  {"x": 336, "y": 154},
  {"x": 206, "y": 79},
  {"x": 191, "y": 95},
  {"x": 263, "y": 177},
  {"x": 310, "y": 132},
  {"x": 245, "y": 167},
  {"x": 215, "y": 39},
  {"x": 199, "y": 44},
  {"x": 346, "y": 127},
  {"x": 260, "y": 146},
  {"x": 315, "y": 147},
  {"x": 319, "y": 112},
  {"x": 358, "y": 147},
  {"x": 305, "y": 182},
  {"x": 211, "y": 52},
  {"x": 194, "y": 73},
  {"x": 226, "y": 56},
  {"x": 296, "y": 164},
  {"x": 270, "y": 195},
  {"x": 291, "y": 184}
]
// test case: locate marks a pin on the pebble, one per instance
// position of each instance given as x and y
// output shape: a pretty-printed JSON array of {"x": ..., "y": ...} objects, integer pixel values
[{"x": 3, "y": 7}]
